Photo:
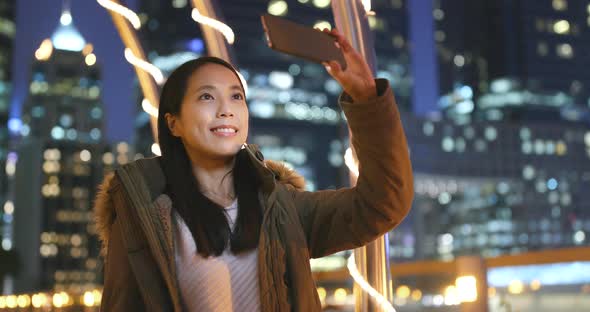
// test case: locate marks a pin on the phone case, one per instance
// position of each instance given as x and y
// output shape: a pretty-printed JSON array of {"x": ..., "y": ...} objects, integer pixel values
[{"x": 305, "y": 42}]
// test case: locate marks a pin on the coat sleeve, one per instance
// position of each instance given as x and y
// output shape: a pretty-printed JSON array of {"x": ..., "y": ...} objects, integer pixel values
[{"x": 336, "y": 220}]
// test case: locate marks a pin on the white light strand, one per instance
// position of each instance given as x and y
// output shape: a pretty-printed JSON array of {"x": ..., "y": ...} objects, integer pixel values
[
  {"x": 367, "y": 6},
  {"x": 244, "y": 83},
  {"x": 350, "y": 162},
  {"x": 375, "y": 295},
  {"x": 149, "y": 108},
  {"x": 351, "y": 265},
  {"x": 156, "y": 149},
  {"x": 121, "y": 10},
  {"x": 227, "y": 32},
  {"x": 149, "y": 68}
]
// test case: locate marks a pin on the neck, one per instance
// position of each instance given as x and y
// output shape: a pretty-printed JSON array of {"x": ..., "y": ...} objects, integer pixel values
[{"x": 215, "y": 178}]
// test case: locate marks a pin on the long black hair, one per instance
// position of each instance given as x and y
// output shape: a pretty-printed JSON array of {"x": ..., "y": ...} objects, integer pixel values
[{"x": 204, "y": 218}]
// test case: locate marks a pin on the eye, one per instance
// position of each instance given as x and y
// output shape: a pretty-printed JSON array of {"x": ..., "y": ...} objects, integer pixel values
[
  {"x": 238, "y": 96},
  {"x": 206, "y": 97}
]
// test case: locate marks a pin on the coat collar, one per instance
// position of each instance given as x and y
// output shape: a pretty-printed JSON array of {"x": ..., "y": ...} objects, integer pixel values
[{"x": 155, "y": 182}]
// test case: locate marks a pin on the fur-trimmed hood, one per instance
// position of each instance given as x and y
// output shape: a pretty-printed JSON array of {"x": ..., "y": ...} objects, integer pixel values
[{"x": 104, "y": 211}]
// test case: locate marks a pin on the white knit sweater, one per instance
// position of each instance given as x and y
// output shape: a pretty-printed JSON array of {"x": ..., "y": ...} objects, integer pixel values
[{"x": 216, "y": 284}]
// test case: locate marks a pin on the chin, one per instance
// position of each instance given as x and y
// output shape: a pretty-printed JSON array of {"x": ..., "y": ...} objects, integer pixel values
[{"x": 227, "y": 150}]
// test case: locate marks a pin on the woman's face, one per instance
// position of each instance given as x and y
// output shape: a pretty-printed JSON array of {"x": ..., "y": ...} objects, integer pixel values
[{"x": 213, "y": 120}]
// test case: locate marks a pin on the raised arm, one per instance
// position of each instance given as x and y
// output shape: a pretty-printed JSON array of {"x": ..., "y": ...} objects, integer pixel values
[{"x": 336, "y": 220}]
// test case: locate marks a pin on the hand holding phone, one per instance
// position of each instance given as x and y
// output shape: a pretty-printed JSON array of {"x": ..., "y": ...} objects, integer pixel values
[
  {"x": 305, "y": 42},
  {"x": 328, "y": 47}
]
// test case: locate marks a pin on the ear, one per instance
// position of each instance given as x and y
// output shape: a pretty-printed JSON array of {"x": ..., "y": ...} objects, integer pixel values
[{"x": 173, "y": 124}]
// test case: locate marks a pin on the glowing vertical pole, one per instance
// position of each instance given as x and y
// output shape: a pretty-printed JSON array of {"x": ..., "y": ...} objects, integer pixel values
[{"x": 372, "y": 261}]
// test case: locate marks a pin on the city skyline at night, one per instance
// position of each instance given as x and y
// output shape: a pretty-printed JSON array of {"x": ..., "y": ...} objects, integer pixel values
[{"x": 493, "y": 97}]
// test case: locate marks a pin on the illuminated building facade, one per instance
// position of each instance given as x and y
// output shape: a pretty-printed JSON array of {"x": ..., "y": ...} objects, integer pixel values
[
  {"x": 7, "y": 33},
  {"x": 60, "y": 165},
  {"x": 539, "y": 43},
  {"x": 495, "y": 188}
]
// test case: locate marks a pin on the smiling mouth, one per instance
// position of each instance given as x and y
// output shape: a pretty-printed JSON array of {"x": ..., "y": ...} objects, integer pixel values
[{"x": 226, "y": 130}]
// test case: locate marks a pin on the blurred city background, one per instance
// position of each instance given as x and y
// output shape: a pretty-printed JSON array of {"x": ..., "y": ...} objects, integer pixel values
[{"x": 494, "y": 97}]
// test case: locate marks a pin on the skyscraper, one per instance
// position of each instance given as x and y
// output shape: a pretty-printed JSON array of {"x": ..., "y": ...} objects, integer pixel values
[
  {"x": 540, "y": 44},
  {"x": 60, "y": 164},
  {"x": 495, "y": 187},
  {"x": 7, "y": 161}
]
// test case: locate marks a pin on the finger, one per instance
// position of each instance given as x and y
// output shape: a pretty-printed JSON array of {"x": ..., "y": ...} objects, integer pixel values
[
  {"x": 342, "y": 41},
  {"x": 335, "y": 68}
]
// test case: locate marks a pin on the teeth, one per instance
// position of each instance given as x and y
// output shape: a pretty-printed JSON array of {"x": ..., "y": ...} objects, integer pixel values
[{"x": 225, "y": 130}]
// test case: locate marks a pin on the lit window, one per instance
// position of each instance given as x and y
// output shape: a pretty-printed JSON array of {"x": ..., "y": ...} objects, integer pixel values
[
  {"x": 561, "y": 148},
  {"x": 540, "y": 24},
  {"x": 122, "y": 147},
  {"x": 428, "y": 128},
  {"x": 66, "y": 120},
  {"x": 528, "y": 172},
  {"x": 90, "y": 59},
  {"x": 95, "y": 134},
  {"x": 460, "y": 145},
  {"x": 8, "y": 207},
  {"x": 438, "y": 14},
  {"x": 561, "y": 27},
  {"x": 440, "y": 36},
  {"x": 57, "y": 133},
  {"x": 560, "y": 5},
  {"x": 321, "y": 3},
  {"x": 448, "y": 144},
  {"x": 278, "y": 8},
  {"x": 542, "y": 48},
  {"x": 459, "y": 60},
  {"x": 85, "y": 155},
  {"x": 491, "y": 133},
  {"x": 71, "y": 134},
  {"x": 565, "y": 50},
  {"x": 322, "y": 25},
  {"x": 7, "y": 27},
  {"x": 96, "y": 113},
  {"x": 179, "y": 3},
  {"x": 376, "y": 23},
  {"x": 398, "y": 41},
  {"x": 579, "y": 237},
  {"x": 480, "y": 145}
]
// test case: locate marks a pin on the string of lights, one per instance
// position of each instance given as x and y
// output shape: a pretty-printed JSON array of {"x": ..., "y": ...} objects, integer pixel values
[
  {"x": 149, "y": 76},
  {"x": 121, "y": 10},
  {"x": 144, "y": 65},
  {"x": 227, "y": 32},
  {"x": 352, "y": 165},
  {"x": 375, "y": 295}
]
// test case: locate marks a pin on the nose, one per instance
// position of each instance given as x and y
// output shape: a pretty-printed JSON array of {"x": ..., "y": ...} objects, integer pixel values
[
  {"x": 224, "y": 111},
  {"x": 225, "y": 114}
]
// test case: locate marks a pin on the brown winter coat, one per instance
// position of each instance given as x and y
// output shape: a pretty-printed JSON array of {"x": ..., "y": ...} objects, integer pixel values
[{"x": 138, "y": 244}]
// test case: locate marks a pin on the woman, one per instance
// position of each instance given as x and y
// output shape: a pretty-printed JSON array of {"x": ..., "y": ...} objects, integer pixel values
[{"x": 212, "y": 226}]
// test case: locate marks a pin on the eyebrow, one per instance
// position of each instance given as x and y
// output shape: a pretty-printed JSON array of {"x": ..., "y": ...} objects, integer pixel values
[{"x": 209, "y": 87}]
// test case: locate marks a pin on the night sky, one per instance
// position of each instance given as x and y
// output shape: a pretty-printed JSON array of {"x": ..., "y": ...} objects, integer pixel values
[{"x": 36, "y": 20}]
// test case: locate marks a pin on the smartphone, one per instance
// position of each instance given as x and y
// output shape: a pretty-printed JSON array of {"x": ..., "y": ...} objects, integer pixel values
[{"x": 298, "y": 40}]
